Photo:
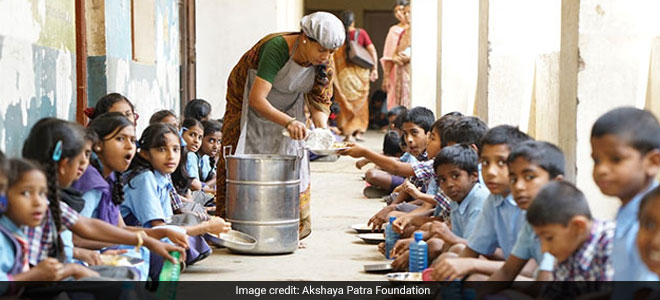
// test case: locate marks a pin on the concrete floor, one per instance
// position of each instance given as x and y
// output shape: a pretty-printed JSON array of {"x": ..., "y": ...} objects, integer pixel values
[{"x": 333, "y": 252}]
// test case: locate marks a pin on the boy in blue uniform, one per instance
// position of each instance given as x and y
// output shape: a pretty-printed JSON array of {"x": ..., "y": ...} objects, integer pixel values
[
  {"x": 625, "y": 145},
  {"x": 500, "y": 219}
]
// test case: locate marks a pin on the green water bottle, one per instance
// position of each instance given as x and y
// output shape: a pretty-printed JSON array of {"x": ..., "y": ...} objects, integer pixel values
[{"x": 169, "y": 276}]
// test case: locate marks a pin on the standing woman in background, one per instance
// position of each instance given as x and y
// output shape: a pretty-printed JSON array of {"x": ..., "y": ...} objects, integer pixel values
[
  {"x": 267, "y": 91},
  {"x": 391, "y": 42},
  {"x": 401, "y": 59},
  {"x": 352, "y": 83}
]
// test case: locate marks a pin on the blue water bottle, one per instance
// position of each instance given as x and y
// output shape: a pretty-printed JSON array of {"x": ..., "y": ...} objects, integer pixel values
[
  {"x": 418, "y": 260},
  {"x": 390, "y": 237}
]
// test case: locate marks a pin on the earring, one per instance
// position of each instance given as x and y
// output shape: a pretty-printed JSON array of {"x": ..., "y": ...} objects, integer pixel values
[
  {"x": 97, "y": 149},
  {"x": 304, "y": 41}
]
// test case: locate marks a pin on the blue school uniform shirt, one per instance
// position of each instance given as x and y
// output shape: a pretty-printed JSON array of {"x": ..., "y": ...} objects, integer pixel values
[
  {"x": 192, "y": 165},
  {"x": 8, "y": 253},
  {"x": 464, "y": 215},
  {"x": 528, "y": 246},
  {"x": 147, "y": 199},
  {"x": 92, "y": 199},
  {"x": 628, "y": 265},
  {"x": 205, "y": 167},
  {"x": 498, "y": 226}
]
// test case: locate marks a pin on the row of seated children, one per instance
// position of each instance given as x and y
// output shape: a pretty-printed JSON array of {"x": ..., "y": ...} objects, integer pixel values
[
  {"x": 97, "y": 190},
  {"x": 530, "y": 223}
]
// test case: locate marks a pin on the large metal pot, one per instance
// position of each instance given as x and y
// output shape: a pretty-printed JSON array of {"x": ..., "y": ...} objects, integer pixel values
[{"x": 262, "y": 200}]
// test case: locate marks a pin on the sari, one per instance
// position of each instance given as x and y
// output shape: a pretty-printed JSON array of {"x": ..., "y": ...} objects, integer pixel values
[{"x": 353, "y": 82}]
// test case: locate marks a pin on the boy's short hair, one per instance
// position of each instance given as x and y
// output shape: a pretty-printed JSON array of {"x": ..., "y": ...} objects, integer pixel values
[
  {"x": 158, "y": 116},
  {"x": 397, "y": 110},
  {"x": 446, "y": 121},
  {"x": 504, "y": 134},
  {"x": 546, "y": 155},
  {"x": 391, "y": 145},
  {"x": 466, "y": 130},
  {"x": 420, "y": 116},
  {"x": 557, "y": 203},
  {"x": 461, "y": 155},
  {"x": 637, "y": 127}
]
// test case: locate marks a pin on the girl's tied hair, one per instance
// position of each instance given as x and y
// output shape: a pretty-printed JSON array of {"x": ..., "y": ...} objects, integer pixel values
[
  {"x": 103, "y": 126},
  {"x": 50, "y": 141}
]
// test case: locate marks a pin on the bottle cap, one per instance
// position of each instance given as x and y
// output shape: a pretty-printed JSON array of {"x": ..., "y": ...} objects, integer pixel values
[
  {"x": 392, "y": 219},
  {"x": 419, "y": 236}
]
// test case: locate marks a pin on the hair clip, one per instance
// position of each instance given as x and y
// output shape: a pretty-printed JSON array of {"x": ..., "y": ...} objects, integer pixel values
[
  {"x": 57, "y": 152},
  {"x": 3, "y": 204}
]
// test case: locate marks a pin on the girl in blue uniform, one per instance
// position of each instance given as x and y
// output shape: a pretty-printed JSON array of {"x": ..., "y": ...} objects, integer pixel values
[
  {"x": 149, "y": 193},
  {"x": 102, "y": 187}
]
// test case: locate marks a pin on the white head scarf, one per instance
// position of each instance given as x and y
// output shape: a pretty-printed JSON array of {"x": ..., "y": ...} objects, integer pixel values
[{"x": 325, "y": 28}]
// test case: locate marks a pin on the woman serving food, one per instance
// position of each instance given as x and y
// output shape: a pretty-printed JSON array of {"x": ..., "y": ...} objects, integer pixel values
[{"x": 267, "y": 91}]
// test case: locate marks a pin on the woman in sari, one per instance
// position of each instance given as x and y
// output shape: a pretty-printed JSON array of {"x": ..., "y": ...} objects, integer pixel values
[
  {"x": 401, "y": 59},
  {"x": 391, "y": 42},
  {"x": 267, "y": 91},
  {"x": 352, "y": 84}
]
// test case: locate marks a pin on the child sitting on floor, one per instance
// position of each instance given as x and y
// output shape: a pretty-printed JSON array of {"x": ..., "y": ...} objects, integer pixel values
[
  {"x": 625, "y": 145},
  {"x": 582, "y": 245},
  {"x": 23, "y": 203},
  {"x": 532, "y": 164},
  {"x": 500, "y": 219},
  {"x": 149, "y": 194},
  {"x": 457, "y": 175}
]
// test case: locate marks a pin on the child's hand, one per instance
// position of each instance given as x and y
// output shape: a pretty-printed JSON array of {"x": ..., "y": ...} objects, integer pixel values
[
  {"x": 218, "y": 225},
  {"x": 114, "y": 251},
  {"x": 49, "y": 269},
  {"x": 401, "y": 223},
  {"x": 91, "y": 257},
  {"x": 400, "y": 188},
  {"x": 440, "y": 230},
  {"x": 400, "y": 263},
  {"x": 164, "y": 249},
  {"x": 355, "y": 151},
  {"x": 400, "y": 247},
  {"x": 178, "y": 238},
  {"x": 381, "y": 248},
  {"x": 452, "y": 268},
  {"x": 412, "y": 190},
  {"x": 79, "y": 271},
  {"x": 380, "y": 218},
  {"x": 361, "y": 163}
]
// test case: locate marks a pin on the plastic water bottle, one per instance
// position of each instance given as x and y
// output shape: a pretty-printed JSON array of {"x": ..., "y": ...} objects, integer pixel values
[
  {"x": 418, "y": 260},
  {"x": 390, "y": 237},
  {"x": 169, "y": 276}
]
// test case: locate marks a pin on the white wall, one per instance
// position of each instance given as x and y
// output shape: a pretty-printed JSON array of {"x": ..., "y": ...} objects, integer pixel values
[
  {"x": 424, "y": 58},
  {"x": 226, "y": 29},
  {"x": 516, "y": 41},
  {"x": 615, "y": 44},
  {"x": 459, "y": 47}
]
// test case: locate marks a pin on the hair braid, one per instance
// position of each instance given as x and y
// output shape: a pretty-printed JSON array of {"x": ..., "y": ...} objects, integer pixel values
[
  {"x": 54, "y": 203},
  {"x": 118, "y": 189}
]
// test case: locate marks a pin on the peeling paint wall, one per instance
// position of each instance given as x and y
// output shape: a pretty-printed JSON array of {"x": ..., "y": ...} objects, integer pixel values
[
  {"x": 150, "y": 86},
  {"x": 37, "y": 66}
]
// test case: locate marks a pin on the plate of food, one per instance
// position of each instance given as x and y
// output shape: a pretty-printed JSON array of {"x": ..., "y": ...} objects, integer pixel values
[
  {"x": 404, "y": 276},
  {"x": 372, "y": 238},
  {"x": 119, "y": 260},
  {"x": 363, "y": 228}
]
